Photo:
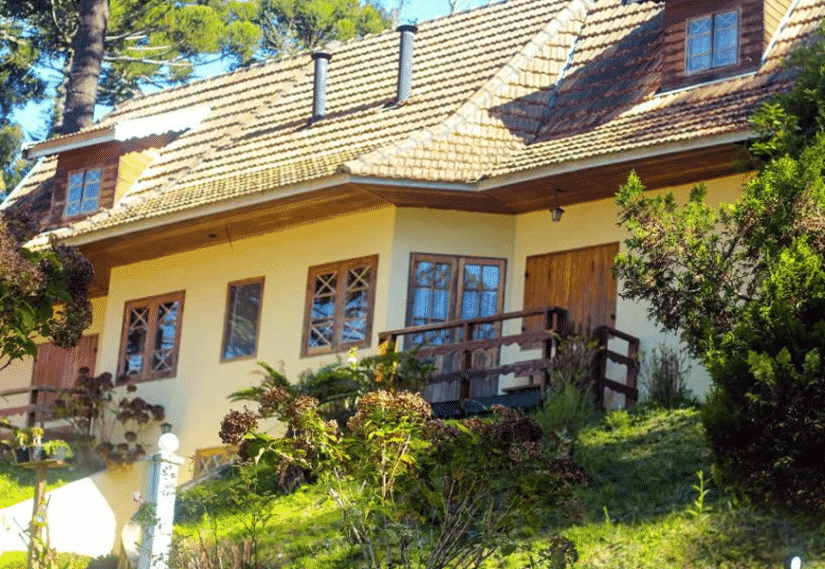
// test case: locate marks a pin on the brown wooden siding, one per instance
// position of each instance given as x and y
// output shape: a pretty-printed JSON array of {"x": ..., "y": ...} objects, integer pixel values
[
  {"x": 751, "y": 39},
  {"x": 107, "y": 157},
  {"x": 101, "y": 156}
]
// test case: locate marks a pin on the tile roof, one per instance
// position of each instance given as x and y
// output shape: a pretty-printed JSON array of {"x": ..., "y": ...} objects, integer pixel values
[{"x": 507, "y": 88}]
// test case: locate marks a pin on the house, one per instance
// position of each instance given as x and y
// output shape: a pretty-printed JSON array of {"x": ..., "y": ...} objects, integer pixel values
[{"x": 292, "y": 210}]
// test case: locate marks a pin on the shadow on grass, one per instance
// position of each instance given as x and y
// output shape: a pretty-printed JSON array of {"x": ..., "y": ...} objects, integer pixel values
[{"x": 643, "y": 464}]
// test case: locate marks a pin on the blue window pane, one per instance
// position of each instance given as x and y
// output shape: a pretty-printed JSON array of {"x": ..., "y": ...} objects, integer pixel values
[
  {"x": 490, "y": 276},
  {"x": 469, "y": 304},
  {"x": 422, "y": 305},
  {"x": 699, "y": 26},
  {"x": 472, "y": 277},
  {"x": 92, "y": 176},
  {"x": 423, "y": 273},
  {"x": 323, "y": 307},
  {"x": 441, "y": 304},
  {"x": 242, "y": 320},
  {"x": 489, "y": 302},
  {"x": 443, "y": 275}
]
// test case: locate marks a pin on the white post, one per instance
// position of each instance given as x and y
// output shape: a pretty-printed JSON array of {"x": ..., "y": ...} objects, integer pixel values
[{"x": 160, "y": 504}]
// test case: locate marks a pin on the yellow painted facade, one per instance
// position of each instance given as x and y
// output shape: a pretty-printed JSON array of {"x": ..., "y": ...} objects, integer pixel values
[{"x": 195, "y": 399}]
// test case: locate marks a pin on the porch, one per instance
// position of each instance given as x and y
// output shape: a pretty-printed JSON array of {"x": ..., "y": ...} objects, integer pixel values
[{"x": 472, "y": 366}]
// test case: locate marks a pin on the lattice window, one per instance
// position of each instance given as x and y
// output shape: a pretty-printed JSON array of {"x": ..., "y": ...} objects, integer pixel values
[
  {"x": 340, "y": 299},
  {"x": 83, "y": 192},
  {"x": 712, "y": 41},
  {"x": 210, "y": 459},
  {"x": 151, "y": 337}
]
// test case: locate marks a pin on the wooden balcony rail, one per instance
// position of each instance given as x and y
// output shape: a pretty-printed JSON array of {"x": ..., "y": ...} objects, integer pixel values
[
  {"x": 554, "y": 328},
  {"x": 35, "y": 408},
  {"x": 630, "y": 360},
  {"x": 462, "y": 337}
]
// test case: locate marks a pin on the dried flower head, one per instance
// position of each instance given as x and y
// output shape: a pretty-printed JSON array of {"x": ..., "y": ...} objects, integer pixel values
[{"x": 235, "y": 425}]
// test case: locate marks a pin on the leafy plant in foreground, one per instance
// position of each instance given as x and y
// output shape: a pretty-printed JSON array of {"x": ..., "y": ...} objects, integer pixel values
[
  {"x": 744, "y": 284},
  {"x": 414, "y": 491}
]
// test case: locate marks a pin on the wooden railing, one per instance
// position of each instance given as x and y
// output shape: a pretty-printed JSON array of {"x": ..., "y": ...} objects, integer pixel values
[
  {"x": 553, "y": 330},
  {"x": 554, "y": 320},
  {"x": 35, "y": 409},
  {"x": 630, "y": 360}
]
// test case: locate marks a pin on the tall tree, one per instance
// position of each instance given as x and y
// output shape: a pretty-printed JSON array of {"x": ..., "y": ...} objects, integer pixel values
[
  {"x": 123, "y": 46},
  {"x": 88, "y": 48},
  {"x": 289, "y": 26},
  {"x": 745, "y": 286},
  {"x": 18, "y": 85}
]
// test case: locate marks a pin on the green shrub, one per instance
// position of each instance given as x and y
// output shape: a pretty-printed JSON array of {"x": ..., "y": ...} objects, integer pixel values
[
  {"x": 744, "y": 285},
  {"x": 664, "y": 377},
  {"x": 564, "y": 412}
]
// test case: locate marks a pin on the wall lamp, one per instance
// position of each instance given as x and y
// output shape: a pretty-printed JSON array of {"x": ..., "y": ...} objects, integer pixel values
[{"x": 557, "y": 211}]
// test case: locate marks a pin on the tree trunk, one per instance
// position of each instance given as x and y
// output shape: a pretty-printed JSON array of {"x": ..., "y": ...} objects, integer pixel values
[{"x": 88, "y": 47}]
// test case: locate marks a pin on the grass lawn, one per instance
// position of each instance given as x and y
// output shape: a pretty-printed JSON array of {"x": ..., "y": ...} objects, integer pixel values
[
  {"x": 17, "y": 484},
  {"x": 640, "y": 511}
]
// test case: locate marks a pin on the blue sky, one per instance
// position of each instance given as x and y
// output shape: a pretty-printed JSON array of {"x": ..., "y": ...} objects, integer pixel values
[{"x": 422, "y": 10}]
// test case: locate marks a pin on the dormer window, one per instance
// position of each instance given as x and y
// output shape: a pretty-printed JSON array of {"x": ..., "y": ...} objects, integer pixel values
[
  {"x": 83, "y": 192},
  {"x": 712, "y": 41}
]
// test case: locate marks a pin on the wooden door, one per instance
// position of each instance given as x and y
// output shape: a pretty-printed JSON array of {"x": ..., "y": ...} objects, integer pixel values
[
  {"x": 580, "y": 280},
  {"x": 58, "y": 367}
]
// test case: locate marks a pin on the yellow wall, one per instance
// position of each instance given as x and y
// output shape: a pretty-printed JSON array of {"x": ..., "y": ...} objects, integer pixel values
[{"x": 195, "y": 400}]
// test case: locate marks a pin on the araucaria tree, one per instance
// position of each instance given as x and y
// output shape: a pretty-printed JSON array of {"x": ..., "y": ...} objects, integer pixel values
[
  {"x": 42, "y": 292},
  {"x": 744, "y": 284}
]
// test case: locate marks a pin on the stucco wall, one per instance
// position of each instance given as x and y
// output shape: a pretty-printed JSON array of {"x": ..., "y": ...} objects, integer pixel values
[{"x": 195, "y": 399}]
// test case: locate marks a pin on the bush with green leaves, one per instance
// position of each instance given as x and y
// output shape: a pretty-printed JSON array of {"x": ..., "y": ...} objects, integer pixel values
[
  {"x": 745, "y": 286},
  {"x": 415, "y": 491},
  {"x": 568, "y": 403},
  {"x": 339, "y": 384},
  {"x": 43, "y": 292},
  {"x": 664, "y": 376}
]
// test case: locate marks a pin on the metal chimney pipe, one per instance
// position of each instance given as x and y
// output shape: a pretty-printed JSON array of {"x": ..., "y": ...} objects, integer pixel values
[
  {"x": 319, "y": 85},
  {"x": 405, "y": 57}
]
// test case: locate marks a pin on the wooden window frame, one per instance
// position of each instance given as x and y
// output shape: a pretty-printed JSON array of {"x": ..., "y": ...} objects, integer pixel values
[
  {"x": 153, "y": 302},
  {"x": 226, "y": 320},
  {"x": 458, "y": 262},
  {"x": 341, "y": 267},
  {"x": 712, "y": 68},
  {"x": 80, "y": 213}
]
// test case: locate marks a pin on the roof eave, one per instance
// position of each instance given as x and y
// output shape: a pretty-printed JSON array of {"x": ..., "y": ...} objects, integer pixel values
[
  {"x": 615, "y": 157},
  {"x": 71, "y": 142}
]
